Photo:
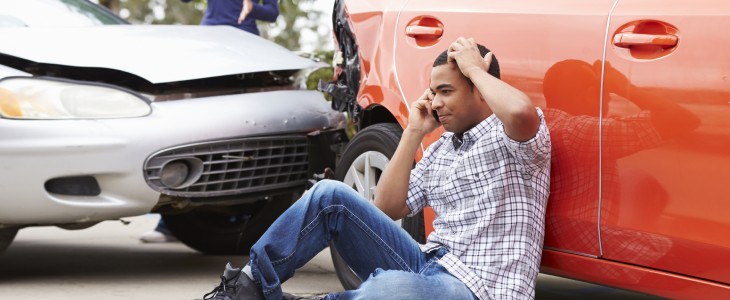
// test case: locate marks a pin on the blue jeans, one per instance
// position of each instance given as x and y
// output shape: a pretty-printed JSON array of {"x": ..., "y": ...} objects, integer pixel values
[{"x": 374, "y": 247}]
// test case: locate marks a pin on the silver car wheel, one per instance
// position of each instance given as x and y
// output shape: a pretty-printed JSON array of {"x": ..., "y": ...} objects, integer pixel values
[{"x": 364, "y": 172}]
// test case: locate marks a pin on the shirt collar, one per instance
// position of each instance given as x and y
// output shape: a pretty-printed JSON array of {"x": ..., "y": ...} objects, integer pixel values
[{"x": 474, "y": 134}]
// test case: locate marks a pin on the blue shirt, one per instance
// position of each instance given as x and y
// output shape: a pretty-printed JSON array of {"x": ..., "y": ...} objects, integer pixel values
[{"x": 226, "y": 12}]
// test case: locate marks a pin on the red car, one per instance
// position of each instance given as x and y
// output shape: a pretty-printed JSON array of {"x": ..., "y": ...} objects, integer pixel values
[{"x": 637, "y": 98}]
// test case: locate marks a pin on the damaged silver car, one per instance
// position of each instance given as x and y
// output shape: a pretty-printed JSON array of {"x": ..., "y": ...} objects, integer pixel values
[{"x": 100, "y": 120}]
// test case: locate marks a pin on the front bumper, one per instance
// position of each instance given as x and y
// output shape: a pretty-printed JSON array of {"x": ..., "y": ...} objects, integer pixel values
[
  {"x": 114, "y": 151},
  {"x": 247, "y": 166}
]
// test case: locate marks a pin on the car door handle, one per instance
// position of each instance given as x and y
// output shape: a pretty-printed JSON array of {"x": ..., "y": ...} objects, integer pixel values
[
  {"x": 627, "y": 40},
  {"x": 418, "y": 31}
]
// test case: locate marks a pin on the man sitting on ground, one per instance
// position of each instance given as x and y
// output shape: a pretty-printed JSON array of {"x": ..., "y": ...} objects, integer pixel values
[{"x": 487, "y": 180}]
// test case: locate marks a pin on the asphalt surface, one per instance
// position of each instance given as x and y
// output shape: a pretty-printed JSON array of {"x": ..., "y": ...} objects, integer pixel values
[{"x": 109, "y": 262}]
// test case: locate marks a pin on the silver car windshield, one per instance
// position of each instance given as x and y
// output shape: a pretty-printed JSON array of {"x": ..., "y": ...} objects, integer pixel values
[{"x": 54, "y": 13}]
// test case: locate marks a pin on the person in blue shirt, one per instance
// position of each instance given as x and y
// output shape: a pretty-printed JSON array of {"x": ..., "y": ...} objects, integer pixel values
[{"x": 241, "y": 14}]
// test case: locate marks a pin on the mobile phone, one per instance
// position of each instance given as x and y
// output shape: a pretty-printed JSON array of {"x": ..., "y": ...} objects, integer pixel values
[{"x": 435, "y": 115}]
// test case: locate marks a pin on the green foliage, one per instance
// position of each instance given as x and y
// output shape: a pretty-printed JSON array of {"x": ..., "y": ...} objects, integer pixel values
[
  {"x": 286, "y": 31},
  {"x": 325, "y": 74},
  {"x": 162, "y": 11}
]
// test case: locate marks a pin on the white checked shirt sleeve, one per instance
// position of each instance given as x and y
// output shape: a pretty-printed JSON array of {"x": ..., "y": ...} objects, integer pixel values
[
  {"x": 416, "y": 199},
  {"x": 534, "y": 152}
]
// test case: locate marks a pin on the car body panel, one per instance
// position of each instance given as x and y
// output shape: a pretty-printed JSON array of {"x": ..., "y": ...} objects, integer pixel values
[
  {"x": 630, "y": 277},
  {"x": 378, "y": 84},
  {"x": 641, "y": 210},
  {"x": 114, "y": 150},
  {"x": 157, "y": 53},
  {"x": 665, "y": 203},
  {"x": 10, "y": 72}
]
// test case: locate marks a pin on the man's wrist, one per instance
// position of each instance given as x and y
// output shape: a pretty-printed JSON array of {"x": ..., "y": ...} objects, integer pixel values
[
  {"x": 474, "y": 71},
  {"x": 414, "y": 134}
]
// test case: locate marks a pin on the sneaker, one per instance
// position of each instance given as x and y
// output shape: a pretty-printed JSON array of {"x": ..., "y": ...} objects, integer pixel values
[
  {"x": 235, "y": 286},
  {"x": 155, "y": 236}
]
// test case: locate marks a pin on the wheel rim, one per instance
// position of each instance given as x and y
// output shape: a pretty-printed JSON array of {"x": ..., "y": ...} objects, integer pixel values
[{"x": 364, "y": 173}]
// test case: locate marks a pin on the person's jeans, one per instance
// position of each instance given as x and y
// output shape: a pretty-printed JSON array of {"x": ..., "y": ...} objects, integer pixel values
[{"x": 374, "y": 247}]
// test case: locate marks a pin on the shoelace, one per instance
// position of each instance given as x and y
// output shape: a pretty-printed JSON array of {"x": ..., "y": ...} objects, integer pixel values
[{"x": 223, "y": 287}]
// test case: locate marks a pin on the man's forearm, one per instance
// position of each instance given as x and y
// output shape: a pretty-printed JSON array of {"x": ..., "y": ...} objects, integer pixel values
[
  {"x": 390, "y": 196},
  {"x": 509, "y": 104}
]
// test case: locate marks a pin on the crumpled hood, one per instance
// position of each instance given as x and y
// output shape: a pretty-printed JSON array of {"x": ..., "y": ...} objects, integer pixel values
[{"x": 157, "y": 53}]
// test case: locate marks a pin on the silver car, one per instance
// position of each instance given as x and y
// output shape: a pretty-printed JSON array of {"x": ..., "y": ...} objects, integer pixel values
[{"x": 101, "y": 120}]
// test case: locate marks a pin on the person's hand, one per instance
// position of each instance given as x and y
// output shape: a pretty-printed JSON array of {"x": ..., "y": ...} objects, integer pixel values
[
  {"x": 247, "y": 7},
  {"x": 420, "y": 118},
  {"x": 466, "y": 55}
]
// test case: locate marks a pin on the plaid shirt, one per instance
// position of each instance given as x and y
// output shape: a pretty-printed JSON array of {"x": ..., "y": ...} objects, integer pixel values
[{"x": 489, "y": 193}]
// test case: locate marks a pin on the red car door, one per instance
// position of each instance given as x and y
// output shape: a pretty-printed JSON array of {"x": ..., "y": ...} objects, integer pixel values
[
  {"x": 544, "y": 48},
  {"x": 666, "y": 160}
]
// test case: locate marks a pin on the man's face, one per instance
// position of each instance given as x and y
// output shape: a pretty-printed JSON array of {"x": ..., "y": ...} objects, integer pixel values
[{"x": 458, "y": 104}]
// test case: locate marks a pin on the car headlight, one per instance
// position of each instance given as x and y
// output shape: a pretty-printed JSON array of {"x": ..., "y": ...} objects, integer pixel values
[{"x": 46, "y": 98}]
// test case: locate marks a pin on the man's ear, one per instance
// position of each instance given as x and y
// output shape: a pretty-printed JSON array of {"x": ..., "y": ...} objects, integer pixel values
[{"x": 476, "y": 93}]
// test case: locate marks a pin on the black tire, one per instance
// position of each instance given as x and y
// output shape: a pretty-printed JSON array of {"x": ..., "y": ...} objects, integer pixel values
[
  {"x": 381, "y": 138},
  {"x": 7, "y": 235},
  {"x": 227, "y": 230}
]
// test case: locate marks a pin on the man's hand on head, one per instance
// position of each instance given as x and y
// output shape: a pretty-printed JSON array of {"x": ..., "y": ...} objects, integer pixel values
[
  {"x": 510, "y": 105},
  {"x": 466, "y": 55}
]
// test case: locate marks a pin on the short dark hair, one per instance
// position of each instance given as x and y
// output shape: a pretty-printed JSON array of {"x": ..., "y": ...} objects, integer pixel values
[{"x": 443, "y": 58}]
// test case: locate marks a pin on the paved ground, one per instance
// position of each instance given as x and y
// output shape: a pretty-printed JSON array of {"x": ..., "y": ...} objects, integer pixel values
[{"x": 108, "y": 262}]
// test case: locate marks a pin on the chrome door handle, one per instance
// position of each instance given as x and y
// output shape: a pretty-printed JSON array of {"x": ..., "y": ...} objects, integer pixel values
[
  {"x": 627, "y": 40},
  {"x": 418, "y": 31}
]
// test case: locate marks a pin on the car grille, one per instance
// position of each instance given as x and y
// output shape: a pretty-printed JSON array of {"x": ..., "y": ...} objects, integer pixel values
[{"x": 234, "y": 167}]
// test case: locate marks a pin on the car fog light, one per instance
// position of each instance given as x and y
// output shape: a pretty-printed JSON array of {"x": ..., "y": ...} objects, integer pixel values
[
  {"x": 174, "y": 174},
  {"x": 181, "y": 173}
]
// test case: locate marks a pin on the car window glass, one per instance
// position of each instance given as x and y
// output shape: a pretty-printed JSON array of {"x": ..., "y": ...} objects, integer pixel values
[{"x": 53, "y": 13}]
